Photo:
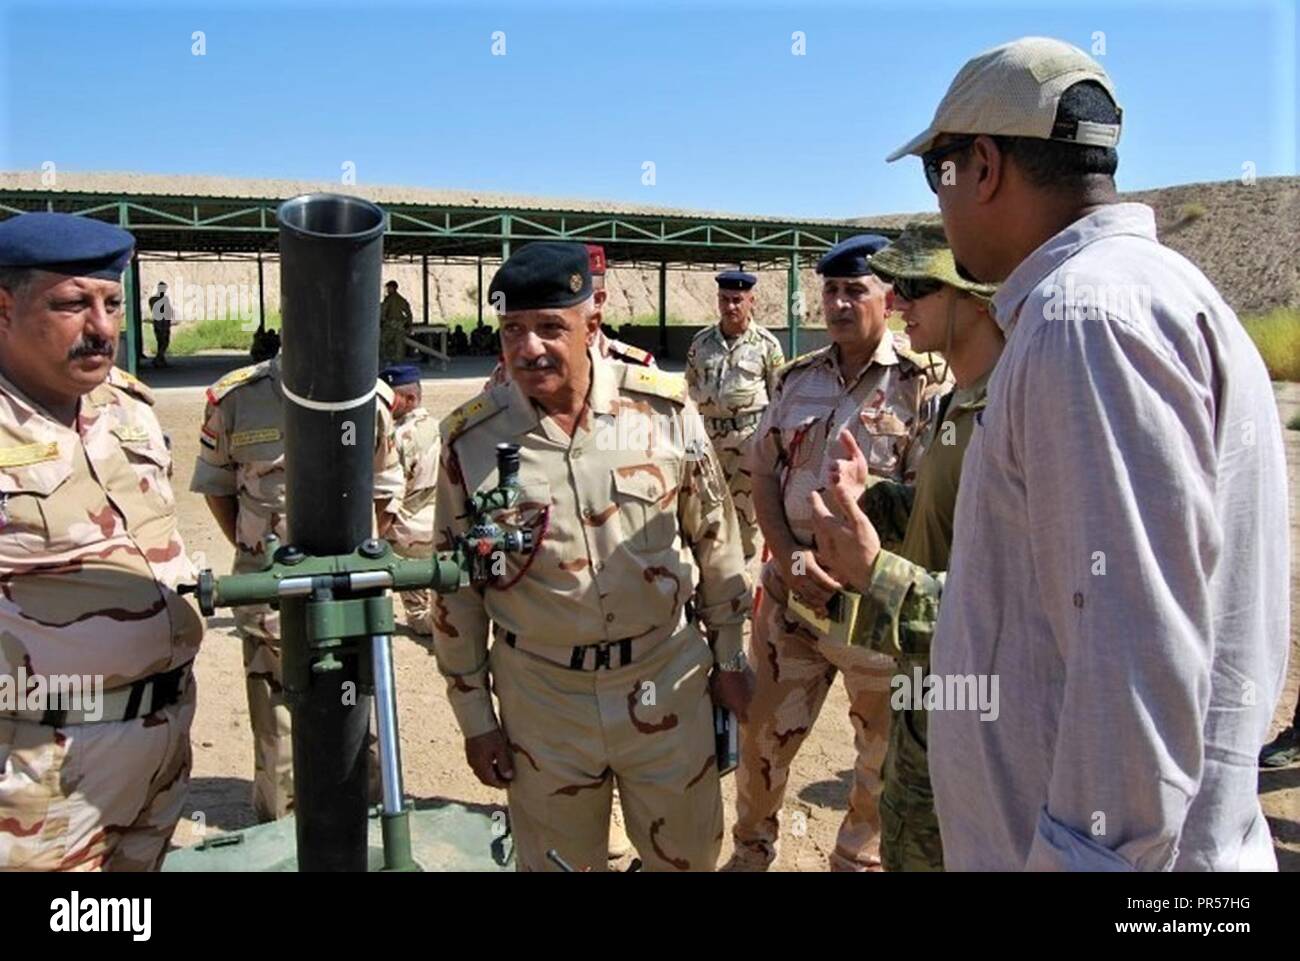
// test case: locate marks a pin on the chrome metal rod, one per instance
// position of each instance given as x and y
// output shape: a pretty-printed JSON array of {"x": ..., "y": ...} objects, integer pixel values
[{"x": 390, "y": 746}]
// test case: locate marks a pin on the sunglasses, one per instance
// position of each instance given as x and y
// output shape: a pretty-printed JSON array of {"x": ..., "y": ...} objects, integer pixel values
[
  {"x": 932, "y": 160},
  {"x": 915, "y": 288}
]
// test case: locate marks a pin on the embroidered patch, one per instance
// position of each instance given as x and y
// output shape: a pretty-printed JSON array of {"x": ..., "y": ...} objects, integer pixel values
[
  {"x": 27, "y": 454},
  {"x": 245, "y": 438}
]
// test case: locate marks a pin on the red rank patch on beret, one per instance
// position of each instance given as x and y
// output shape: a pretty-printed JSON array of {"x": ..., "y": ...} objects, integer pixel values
[{"x": 596, "y": 256}]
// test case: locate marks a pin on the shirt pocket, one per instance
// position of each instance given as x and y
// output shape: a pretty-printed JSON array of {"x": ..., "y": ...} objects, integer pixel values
[
  {"x": 34, "y": 521},
  {"x": 883, "y": 437},
  {"x": 646, "y": 497},
  {"x": 743, "y": 382},
  {"x": 152, "y": 465}
]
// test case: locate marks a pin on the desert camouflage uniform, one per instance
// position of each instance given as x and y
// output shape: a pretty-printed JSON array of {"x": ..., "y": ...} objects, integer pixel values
[
  {"x": 90, "y": 559},
  {"x": 910, "y": 831},
  {"x": 731, "y": 382},
  {"x": 241, "y": 453},
  {"x": 607, "y": 347},
  {"x": 887, "y": 407},
  {"x": 418, "y": 446},
  {"x": 627, "y": 536},
  {"x": 394, "y": 321}
]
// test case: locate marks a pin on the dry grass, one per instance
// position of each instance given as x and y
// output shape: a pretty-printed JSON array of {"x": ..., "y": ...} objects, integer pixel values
[{"x": 1277, "y": 335}]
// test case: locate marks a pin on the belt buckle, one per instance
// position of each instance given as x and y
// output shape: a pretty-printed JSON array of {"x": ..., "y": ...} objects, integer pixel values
[{"x": 602, "y": 656}]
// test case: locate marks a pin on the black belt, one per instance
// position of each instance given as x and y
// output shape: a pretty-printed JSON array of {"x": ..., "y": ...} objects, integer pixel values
[
  {"x": 165, "y": 691},
  {"x": 734, "y": 423},
  {"x": 578, "y": 657}
]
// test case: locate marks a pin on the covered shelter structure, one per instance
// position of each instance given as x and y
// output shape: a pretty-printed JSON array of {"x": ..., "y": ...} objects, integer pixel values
[{"x": 171, "y": 220}]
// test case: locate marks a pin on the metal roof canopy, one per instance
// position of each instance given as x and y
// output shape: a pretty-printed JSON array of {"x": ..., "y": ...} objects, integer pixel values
[{"x": 204, "y": 227}]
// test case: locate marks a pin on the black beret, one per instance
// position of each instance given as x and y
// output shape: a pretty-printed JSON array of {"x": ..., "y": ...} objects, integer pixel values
[
  {"x": 546, "y": 274},
  {"x": 735, "y": 280},
  {"x": 65, "y": 244},
  {"x": 852, "y": 257}
]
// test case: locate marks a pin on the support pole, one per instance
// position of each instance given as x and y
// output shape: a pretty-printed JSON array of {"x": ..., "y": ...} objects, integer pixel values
[
  {"x": 663, "y": 308},
  {"x": 505, "y": 236},
  {"x": 261, "y": 295},
  {"x": 480, "y": 290},
  {"x": 132, "y": 342},
  {"x": 424, "y": 278},
  {"x": 792, "y": 307}
]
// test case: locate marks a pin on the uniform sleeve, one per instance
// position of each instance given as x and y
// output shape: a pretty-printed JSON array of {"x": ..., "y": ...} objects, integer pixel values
[
  {"x": 900, "y": 610},
  {"x": 927, "y": 411},
  {"x": 766, "y": 451},
  {"x": 775, "y": 361},
  {"x": 710, "y": 529},
  {"x": 460, "y": 620},
  {"x": 390, "y": 482},
  {"x": 214, "y": 470},
  {"x": 692, "y": 374},
  {"x": 412, "y": 530}
]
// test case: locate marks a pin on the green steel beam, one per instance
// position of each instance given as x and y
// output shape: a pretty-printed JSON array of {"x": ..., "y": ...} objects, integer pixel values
[{"x": 792, "y": 305}]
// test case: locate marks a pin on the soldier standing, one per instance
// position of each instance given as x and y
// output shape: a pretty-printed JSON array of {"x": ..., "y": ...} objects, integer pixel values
[
  {"x": 862, "y": 381},
  {"x": 240, "y": 471},
  {"x": 948, "y": 313},
  {"x": 162, "y": 312},
  {"x": 395, "y": 320},
  {"x": 418, "y": 445},
  {"x": 601, "y": 674},
  {"x": 91, "y": 559},
  {"x": 731, "y": 372}
]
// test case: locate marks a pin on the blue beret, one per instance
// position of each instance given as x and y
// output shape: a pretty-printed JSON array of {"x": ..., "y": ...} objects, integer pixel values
[
  {"x": 65, "y": 244},
  {"x": 735, "y": 280},
  {"x": 544, "y": 275},
  {"x": 852, "y": 257},
  {"x": 395, "y": 375}
]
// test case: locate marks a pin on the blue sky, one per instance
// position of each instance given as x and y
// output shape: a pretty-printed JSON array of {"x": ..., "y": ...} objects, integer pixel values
[{"x": 710, "y": 92}]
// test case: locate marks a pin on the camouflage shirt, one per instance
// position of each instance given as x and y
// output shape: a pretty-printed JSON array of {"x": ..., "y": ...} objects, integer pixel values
[
  {"x": 631, "y": 516},
  {"x": 418, "y": 445},
  {"x": 887, "y": 406},
  {"x": 241, "y": 454},
  {"x": 732, "y": 377},
  {"x": 90, "y": 556}
]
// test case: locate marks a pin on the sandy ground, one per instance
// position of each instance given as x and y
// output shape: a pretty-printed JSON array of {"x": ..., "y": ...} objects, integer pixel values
[{"x": 431, "y": 745}]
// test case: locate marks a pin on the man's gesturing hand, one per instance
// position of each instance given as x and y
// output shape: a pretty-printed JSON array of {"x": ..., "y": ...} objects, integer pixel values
[
  {"x": 489, "y": 757},
  {"x": 847, "y": 542}
]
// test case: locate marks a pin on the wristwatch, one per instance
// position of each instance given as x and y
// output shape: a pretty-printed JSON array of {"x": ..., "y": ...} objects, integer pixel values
[{"x": 734, "y": 664}]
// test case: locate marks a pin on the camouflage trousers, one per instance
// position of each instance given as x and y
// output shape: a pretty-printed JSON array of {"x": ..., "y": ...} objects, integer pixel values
[
  {"x": 794, "y": 669},
  {"x": 417, "y": 606},
  {"x": 732, "y": 448},
  {"x": 909, "y": 827},
  {"x": 392, "y": 343},
  {"x": 647, "y": 727},
  {"x": 94, "y": 797},
  {"x": 271, "y": 720}
]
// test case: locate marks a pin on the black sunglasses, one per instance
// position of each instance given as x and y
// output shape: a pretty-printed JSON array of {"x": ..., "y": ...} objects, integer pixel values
[
  {"x": 931, "y": 160},
  {"x": 916, "y": 288}
]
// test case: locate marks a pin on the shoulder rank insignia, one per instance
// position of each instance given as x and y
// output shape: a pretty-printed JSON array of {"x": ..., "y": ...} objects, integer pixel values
[
  {"x": 652, "y": 380},
  {"x": 128, "y": 382},
  {"x": 470, "y": 413}
]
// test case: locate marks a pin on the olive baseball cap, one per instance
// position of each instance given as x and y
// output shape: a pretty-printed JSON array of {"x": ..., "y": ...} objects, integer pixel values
[
  {"x": 921, "y": 252},
  {"x": 1014, "y": 91}
]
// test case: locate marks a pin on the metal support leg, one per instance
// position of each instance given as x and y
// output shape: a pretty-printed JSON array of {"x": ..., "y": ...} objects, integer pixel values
[
  {"x": 395, "y": 821},
  {"x": 793, "y": 305}
]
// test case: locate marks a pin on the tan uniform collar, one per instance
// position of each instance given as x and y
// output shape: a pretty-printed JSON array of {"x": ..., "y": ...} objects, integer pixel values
[{"x": 884, "y": 355}]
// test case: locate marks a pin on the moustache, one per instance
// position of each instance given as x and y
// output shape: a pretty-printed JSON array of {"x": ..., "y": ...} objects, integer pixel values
[
  {"x": 91, "y": 347},
  {"x": 541, "y": 363}
]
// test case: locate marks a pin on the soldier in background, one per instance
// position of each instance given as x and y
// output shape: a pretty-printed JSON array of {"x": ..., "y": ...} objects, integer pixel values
[
  {"x": 603, "y": 342},
  {"x": 395, "y": 319},
  {"x": 615, "y": 683},
  {"x": 418, "y": 446},
  {"x": 867, "y": 382},
  {"x": 91, "y": 559},
  {"x": 240, "y": 471},
  {"x": 731, "y": 371},
  {"x": 948, "y": 313},
  {"x": 162, "y": 312}
]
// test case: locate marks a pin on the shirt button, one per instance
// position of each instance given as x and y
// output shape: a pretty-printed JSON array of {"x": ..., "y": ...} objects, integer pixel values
[
  {"x": 587, "y": 512},
  {"x": 574, "y": 455},
  {"x": 609, "y": 617}
]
